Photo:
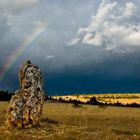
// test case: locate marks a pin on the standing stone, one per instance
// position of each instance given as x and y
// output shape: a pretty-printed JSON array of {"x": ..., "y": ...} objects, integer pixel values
[{"x": 25, "y": 107}]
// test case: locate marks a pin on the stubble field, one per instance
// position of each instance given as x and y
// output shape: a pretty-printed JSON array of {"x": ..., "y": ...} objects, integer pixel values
[{"x": 62, "y": 121}]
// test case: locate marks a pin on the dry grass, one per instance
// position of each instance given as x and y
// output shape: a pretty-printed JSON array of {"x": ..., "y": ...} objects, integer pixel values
[{"x": 63, "y": 122}]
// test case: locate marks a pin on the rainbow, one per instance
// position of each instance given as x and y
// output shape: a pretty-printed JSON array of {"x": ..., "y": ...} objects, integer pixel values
[{"x": 10, "y": 61}]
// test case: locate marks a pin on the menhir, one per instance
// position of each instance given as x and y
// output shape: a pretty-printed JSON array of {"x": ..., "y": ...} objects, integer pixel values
[{"x": 25, "y": 107}]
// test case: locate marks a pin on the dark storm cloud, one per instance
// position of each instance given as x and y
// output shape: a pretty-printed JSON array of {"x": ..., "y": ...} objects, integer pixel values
[{"x": 86, "y": 38}]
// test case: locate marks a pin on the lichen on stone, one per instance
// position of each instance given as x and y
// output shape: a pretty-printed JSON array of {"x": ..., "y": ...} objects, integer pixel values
[{"x": 25, "y": 107}]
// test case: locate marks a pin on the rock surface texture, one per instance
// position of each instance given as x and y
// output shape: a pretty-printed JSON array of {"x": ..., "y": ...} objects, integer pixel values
[{"x": 25, "y": 107}]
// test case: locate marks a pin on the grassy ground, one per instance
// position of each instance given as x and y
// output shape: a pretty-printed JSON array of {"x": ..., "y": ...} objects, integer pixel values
[{"x": 63, "y": 122}]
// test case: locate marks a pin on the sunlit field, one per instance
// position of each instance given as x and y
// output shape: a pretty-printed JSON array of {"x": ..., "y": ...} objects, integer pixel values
[
  {"x": 62, "y": 121},
  {"x": 105, "y": 98}
]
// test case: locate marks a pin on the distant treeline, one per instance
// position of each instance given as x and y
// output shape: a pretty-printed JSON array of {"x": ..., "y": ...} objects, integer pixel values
[
  {"x": 5, "y": 95},
  {"x": 92, "y": 101}
]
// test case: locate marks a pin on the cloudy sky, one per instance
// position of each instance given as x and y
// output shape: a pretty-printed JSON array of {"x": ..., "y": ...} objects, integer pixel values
[{"x": 84, "y": 46}]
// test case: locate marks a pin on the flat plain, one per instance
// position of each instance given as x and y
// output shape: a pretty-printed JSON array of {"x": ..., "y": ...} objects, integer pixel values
[
  {"x": 125, "y": 98},
  {"x": 61, "y": 121}
]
